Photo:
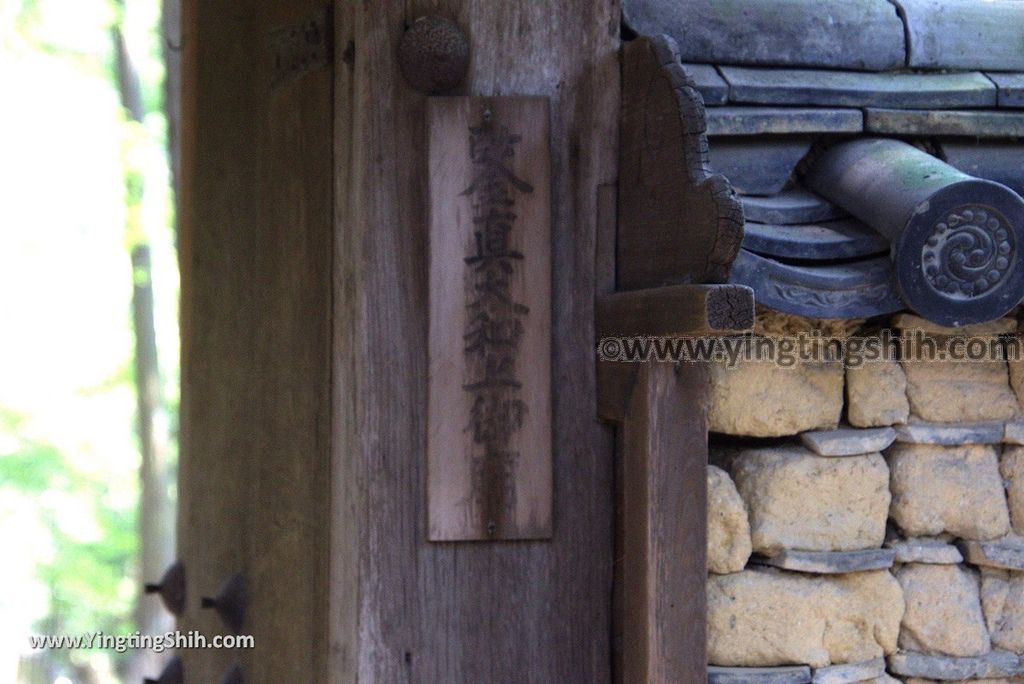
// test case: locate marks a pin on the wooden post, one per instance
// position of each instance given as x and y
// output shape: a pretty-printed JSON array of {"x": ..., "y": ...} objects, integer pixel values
[
  {"x": 661, "y": 411},
  {"x": 256, "y": 268},
  {"x": 403, "y": 609},
  {"x": 665, "y": 525}
]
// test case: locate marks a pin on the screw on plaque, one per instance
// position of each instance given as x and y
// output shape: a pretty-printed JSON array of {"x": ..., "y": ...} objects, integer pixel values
[
  {"x": 171, "y": 588},
  {"x": 230, "y": 602},
  {"x": 171, "y": 674},
  {"x": 233, "y": 676},
  {"x": 434, "y": 54}
]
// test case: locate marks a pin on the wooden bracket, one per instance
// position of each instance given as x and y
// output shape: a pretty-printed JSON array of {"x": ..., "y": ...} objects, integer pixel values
[
  {"x": 678, "y": 222},
  {"x": 684, "y": 310},
  {"x": 661, "y": 411},
  {"x": 674, "y": 310}
]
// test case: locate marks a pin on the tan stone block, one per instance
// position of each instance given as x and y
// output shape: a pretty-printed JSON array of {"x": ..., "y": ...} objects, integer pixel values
[
  {"x": 944, "y": 391},
  {"x": 728, "y": 528},
  {"x": 876, "y": 394},
  {"x": 1002, "y": 599},
  {"x": 760, "y": 398},
  {"x": 762, "y": 618},
  {"x": 943, "y": 611},
  {"x": 1011, "y": 467},
  {"x": 947, "y": 489},
  {"x": 908, "y": 322},
  {"x": 798, "y": 500}
]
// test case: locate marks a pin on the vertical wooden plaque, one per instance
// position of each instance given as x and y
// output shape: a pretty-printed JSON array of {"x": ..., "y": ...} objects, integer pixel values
[{"x": 489, "y": 465}]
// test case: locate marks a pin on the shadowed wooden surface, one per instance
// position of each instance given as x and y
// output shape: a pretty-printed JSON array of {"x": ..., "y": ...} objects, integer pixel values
[
  {"x": 664, "y": 441},
  {"x": 677, "y": 310},
  {"x": 403, "y": 609},
  {"x": 256, "y": 237},
  {"x": 678, "y": 222}
]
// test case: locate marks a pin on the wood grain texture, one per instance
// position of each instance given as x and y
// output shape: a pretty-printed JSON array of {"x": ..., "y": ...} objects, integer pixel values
[
  {"x": 256, "y": 243},
  {"x": 846, "y": 34},
  {"x": 678, "y": 222},
  {"x": 489, "y": 399},
  {"x": 665, "y": 526},
  {"x": 677, "y": 310},
  {"x": 962, "y": 34},
  {"x": 607, "y": 226},
  {"x": 614, "y": 388},
  {"x": 405, "y": 610}
]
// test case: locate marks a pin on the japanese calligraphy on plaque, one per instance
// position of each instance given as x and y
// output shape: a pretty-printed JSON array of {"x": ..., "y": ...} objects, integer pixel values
[{"x": 489, "y": 468}]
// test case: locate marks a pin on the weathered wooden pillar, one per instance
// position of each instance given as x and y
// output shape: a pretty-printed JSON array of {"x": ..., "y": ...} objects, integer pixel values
[
  {"x": 256, "y": 212},
  {"x": 305, "y": 319},
  {"x": 678, "y": 224},
  {"x": 660, "y": 409},
  {"x": 665, "y": 465}
]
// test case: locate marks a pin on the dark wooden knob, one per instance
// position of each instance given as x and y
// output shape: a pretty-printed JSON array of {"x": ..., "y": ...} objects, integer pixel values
[
  {"x": 171, "y": 589},
  {"x": 171, "y": 674},
  {"x": 230, "y": 602},
  {"x": 434, "y": 54},
  {"x": 957, "y": 241}
]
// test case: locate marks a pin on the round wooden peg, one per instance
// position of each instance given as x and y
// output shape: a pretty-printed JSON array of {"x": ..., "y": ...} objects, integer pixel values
[{"x": 434, "y": 54}]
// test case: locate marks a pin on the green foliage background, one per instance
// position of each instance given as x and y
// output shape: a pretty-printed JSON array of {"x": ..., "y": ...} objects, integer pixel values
[{"x": 79, "y": 186}]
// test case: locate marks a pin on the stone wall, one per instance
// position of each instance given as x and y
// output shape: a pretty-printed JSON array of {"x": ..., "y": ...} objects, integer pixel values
[{"x": 865, "y": 530}]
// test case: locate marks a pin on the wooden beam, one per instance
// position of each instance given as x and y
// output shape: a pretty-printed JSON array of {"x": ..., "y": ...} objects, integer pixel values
[
  {"x": 256, "y": 295},
  {"x": 677, "y": 310},
  {"x": 664, "y": 452}
]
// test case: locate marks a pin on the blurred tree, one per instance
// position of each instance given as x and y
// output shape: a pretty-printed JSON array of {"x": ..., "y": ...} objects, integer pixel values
[
  {"x": 155, "y": 508},
  {"x": 75, "y": 508}
]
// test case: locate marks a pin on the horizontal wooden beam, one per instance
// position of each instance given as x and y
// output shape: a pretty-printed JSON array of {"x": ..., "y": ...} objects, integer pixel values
[{"x": 677, "y": 310}]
